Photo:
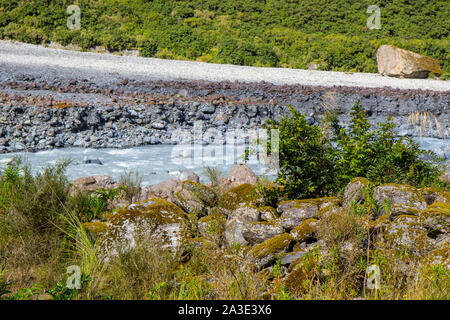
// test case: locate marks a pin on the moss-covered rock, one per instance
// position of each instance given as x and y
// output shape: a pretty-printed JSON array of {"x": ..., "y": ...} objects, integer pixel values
[
  {"x": 408, "y": 232},
  {"x": 398, "y": 209},
  {"x": 306, "y": 230},
  {"x": 196, "y": 198},
  {"x": 213, "y": 227},
  {"x": 151, "y": 219},
  {"x": 432, "y": 195},
  {"x": 236, "y": 196},
  {"x": 399, "y": 194},
  {"x": 437, "y": 217},
  {"x": 236, "y": 224},
  {"x": 267, "y": 252},
  {"x": 440, "y": 255},
  {"x": 260, "y": 231},
  {"x": 268, "y": 213},
  {"x": 293, "y": 212},
  {"x": 354, "y": 191}
]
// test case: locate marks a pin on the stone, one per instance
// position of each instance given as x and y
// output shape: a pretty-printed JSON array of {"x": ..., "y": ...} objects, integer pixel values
[
  {"x": 408, "y": 232},
  {"x": 436, "y": 218},
  {"x": 189, "y": 176},
  {"x": 260, "y": 231},
  {"x": 354, "y": 191},
  {"x": 236, "y": 224},
  {"x": 270, "y": 250},
  {"x": 294, "y": 212},
  {"x": 432, "y": 195},
  {"x": 93, "y": 183},
  {"x": 305, "y": 231},
  {"x": 241, "y": 174},
  {"x": 396, "y": 62},
  {"x": 399, "y": 194},
  {"x": 154, "y": 219},
  {"x": 165, "y": 189}
]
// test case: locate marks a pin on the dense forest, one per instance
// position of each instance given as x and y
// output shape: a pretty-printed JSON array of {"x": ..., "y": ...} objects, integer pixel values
[{"x": 277, "y": 33}]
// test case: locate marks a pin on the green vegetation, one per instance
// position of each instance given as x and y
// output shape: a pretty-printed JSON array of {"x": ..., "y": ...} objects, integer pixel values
[
  {"x": 313, "y": 164},
  {"x": 289, "y": 33}
]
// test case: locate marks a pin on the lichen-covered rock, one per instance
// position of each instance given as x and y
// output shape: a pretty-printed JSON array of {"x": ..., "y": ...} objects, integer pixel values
[
  {"x": 436, "y": 217},
  {"x": 399, "y": 194},
  {"x": 268, "y": 252},
  {"x": 292, "y": 257},
  {"x": 151, "y": 219},
  {"x": 306, "y": 230},
  {"x": 396, "y": 62},
  {"x": 213, "y": 227},
  {"x": 440, "y": 253},
  {"x": 398, "y": 209},
  {"x": 241, "y": 174},
  {"x": 260, "y": 231},
  {"x": 268, "y": 213},
  {"x": 432, "y": 195},
  {"x": 196, "y": 198},
  {"x": 236, "y": 196},
  {"x": 408, "y": 232},
  {"x": 293, "y": 212},
  {"x": 354, "y": 191},
  {"x": 236, "y": 224}
]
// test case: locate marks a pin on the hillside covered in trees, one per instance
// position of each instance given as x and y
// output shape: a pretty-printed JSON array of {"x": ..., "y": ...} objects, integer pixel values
[{"x": 284, "y": 33}]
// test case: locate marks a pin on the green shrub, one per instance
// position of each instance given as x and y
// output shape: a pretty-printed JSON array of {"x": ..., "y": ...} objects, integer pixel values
[{"x": 312, "y": 164}]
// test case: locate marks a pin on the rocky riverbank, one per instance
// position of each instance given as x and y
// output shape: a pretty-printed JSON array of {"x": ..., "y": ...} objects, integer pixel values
[
  {"x": 284, "y": 240},
  {"x": 39, "y": 113}
]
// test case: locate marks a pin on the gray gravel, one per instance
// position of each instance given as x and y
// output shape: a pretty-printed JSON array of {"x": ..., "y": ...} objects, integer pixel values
[{"x": 95, "y": 65}]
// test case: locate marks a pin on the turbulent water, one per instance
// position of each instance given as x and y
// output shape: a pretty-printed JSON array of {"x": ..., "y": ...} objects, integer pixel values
[
  {"x": 159, "y": 162},
  {"x": 153, "y": 163}
]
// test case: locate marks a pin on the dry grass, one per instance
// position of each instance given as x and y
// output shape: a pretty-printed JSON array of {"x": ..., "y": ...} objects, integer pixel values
[{"x": 424, "y": 119}]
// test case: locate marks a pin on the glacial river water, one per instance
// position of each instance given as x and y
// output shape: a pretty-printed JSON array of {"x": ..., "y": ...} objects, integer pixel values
[{"x": 158, "y": 162}]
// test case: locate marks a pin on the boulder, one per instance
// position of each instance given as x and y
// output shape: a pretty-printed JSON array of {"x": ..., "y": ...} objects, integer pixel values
[
  {"x": 294, "y": 212},
  {"x": 305, "y": 231},
  {"x": 270, "y": 250},
  {"x": 432, "y": 195},
  {"x": 436, "y": 218},
  {"x": 213, "y": 227},
  {"x": 165, "y": 189},
  {"x": 354, "y": 191},
  {"x": 396, "y": 62},
  {"x": 241, "y": 174},
  {"x": 408, "y": 232},
  {"x": 260, "y": 231},
  {"x": 154, "y": 219},
  {"x": 196, "y": 198},
  {"x": 236, "y": 196},
  {"x": 93, "y": 183},
  {"x": 189, "y": 176},
  {"x": 237, "y": 222},
  {"x": 399, "y": 194}
]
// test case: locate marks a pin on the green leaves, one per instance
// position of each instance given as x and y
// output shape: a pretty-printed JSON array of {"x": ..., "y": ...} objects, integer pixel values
[{"x": 312, "y": 166}]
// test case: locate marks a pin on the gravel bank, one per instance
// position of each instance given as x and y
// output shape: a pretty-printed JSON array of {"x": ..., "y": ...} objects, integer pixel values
[{"x": 136, "y": 67}]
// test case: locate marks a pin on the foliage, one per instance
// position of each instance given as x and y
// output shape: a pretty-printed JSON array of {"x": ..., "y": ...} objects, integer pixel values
[
  {"x": 332, "y": 34},
  {"x": 312, "y": 164}
]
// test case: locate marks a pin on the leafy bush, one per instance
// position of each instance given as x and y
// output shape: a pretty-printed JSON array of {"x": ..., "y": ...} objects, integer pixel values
[
  {"x": 247, "y": 32},
  {"x": 312, "y": 164},
  {"x": 307, "y": 162}
]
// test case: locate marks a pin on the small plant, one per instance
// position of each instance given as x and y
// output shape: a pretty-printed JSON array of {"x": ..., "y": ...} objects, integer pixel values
[{"x": 131, "y": 185}]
